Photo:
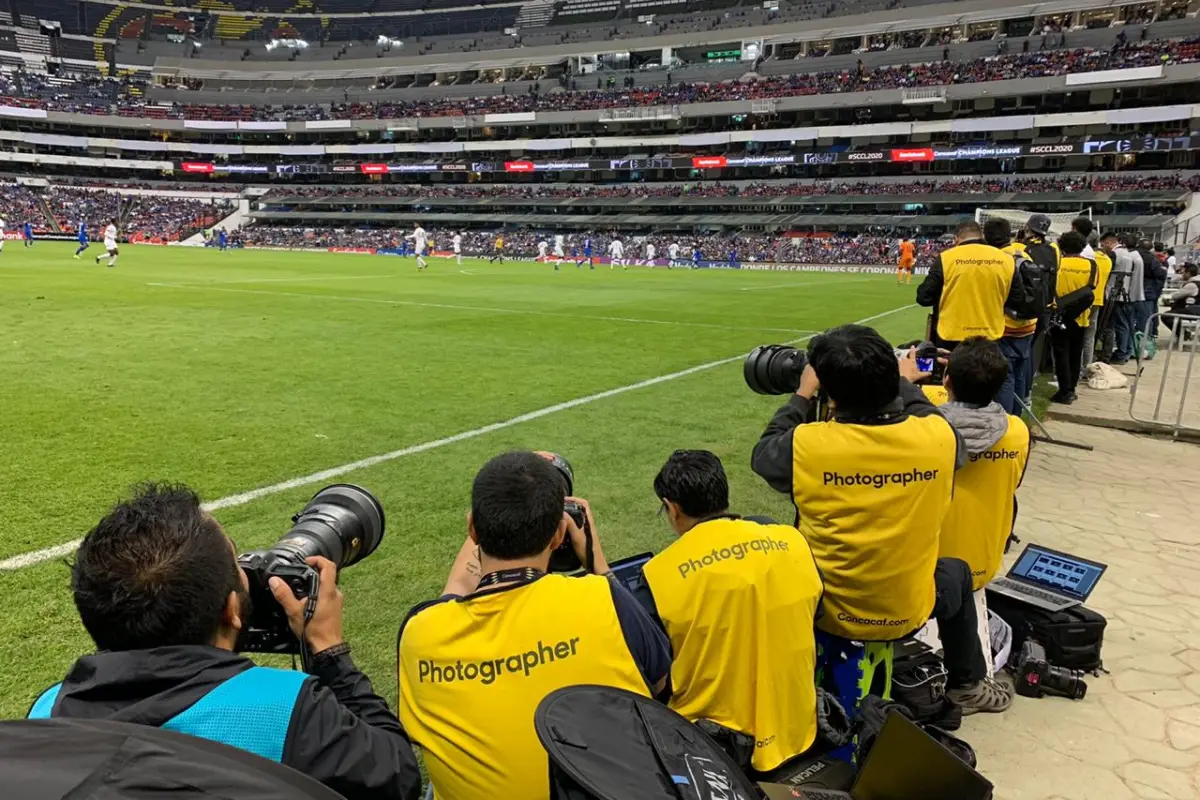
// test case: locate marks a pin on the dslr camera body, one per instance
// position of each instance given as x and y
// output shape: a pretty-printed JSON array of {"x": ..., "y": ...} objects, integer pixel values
[
  {"x": 927, "y": 361},
  {"x": 344, "y": 523},
  {"x": 564, "y": 559},
  {"x": 1037, "y": 677}
]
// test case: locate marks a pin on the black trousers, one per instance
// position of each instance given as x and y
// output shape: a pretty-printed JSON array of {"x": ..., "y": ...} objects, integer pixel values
[
  {"x": 958, "y": 623},
  {"x": 1068, "y": 354}
]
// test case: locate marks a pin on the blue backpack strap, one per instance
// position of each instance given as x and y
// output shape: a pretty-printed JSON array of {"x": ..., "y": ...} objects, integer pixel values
[
  {"x": 45, "y": 703},
  {"x": 250, "y": 711}
]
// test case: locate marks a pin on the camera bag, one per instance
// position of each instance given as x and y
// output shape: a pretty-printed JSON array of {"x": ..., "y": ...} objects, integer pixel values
[
  {"x": 610, "y": 744},
  {"x": 919, "y": 684},
  {"x": 1073, "y": 637}
]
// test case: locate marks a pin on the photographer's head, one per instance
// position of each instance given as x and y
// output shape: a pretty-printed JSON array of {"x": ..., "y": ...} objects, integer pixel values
[
  {"x": 1071, "y": 243},
  {"x": 857, "y": 369},
  {"x": 517, "y": 507},
  {"x": 1109, "y": 242},
  {"x": 691, "y": 485},
  {"x": 967, "y": 231},
  {"x": 976, "y": 372},
  {"x": 997, "y": 232},
  {"x": 157, "y": 571}
]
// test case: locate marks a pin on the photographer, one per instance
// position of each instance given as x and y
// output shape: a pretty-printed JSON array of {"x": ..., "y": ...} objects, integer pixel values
[
  {"x": 475, "y": 663},
  {"x": 1019, "y": 331},
  {"x": 968, "y": 288},
  {"x": 984, "y": 508},
  {"x": 871, "y": 488},
  {"x": 160, "y": 592},
  {"x": 1075, "y": 273},
  {"x": 728, "y": 587}
]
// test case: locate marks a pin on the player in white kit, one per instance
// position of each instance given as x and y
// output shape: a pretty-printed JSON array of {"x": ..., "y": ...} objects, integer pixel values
[
  {"x": 420, "y": 240},
  {"x": 457, "y": 242},
  {"x": 650, "y": 253},
  {"x": 616, "y": 254},
  {"x": 110, "y": 244},
  {"x": 1, "y": 234},
  {"x": 673, "y": 252},
  {"x": 543, "y": 246},
  {"x": 559, "y": 253}
]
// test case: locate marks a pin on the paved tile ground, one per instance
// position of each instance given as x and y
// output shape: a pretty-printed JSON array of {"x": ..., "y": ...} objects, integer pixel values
[
  {"x": 1137, "y": 733},
  {"x": 1167, "y": 374}
]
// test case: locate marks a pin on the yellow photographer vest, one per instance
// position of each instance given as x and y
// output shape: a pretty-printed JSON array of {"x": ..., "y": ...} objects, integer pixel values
[
  {"x": 981, "y": 513},
  {"x": 871, "y": 500},
  {"x": 977, "y": 278},
  {"x": 1075, "y": 272},
  {"x": 473, "y": 671},
  {"x": 738, "y": 601}
]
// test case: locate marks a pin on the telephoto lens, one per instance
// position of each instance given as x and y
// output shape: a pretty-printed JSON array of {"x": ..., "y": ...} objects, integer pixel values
[
  {"x": 774, "y": 369},
  {"x": 563, "y": 559},
  {"x": 343, "y": 523}
]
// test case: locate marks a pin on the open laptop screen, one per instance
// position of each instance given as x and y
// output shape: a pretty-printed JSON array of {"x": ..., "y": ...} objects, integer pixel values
[{"x": 1070, "y": 575}]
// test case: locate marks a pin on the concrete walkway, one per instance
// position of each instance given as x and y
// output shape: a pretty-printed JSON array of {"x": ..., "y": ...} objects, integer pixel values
[{"x": 1137, "y": 733}]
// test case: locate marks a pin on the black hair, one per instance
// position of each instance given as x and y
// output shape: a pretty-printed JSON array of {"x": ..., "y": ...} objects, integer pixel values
[
  {"x": 1071, "y": 243},
  {"x": 696, "y": 481},
  {"x": 1083, "y": 226},
  {"x": 857, "y": 368},
  {"x": 155, "y": 571},
  {"x": 1109, "y": 235},
  {"x": 977, "y": 369},
  {"x": 997, "y": 232},
  {"x": 517, "y": 505},
  {"x": 1191, "y": 269},
  {"x": 968, "y": 229}
]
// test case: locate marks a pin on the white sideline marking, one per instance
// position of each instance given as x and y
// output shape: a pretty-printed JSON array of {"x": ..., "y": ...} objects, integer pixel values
[
  {"x": 521, "y": 312},
  {"x": 800, "y": 283},
  {"x": 38, "y": 556},
  {"x": 310, "y": 278}
]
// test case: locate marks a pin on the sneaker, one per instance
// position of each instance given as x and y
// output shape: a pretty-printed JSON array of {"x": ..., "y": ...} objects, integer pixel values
[
  {"x": 1065, "y": 398},
  {"x": 990, "y": 696}
]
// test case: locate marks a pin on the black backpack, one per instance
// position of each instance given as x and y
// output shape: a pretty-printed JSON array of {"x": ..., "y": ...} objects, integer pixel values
[
  {"x": 610, "y": 744},
  {"x": 95, "y": 759},
  {"x": 919, "y": 684},
  {"x": 1037, "y": 289},
  {"x": 1073, "y": 637}
]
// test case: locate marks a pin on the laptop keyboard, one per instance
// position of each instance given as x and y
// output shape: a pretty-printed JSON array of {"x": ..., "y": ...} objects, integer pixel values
[
  {"x": 1032, "y": 591},
  {"x": 814, "y": 793}
]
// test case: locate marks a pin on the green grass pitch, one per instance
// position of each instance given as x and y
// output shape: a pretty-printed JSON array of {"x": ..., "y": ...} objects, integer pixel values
[{"x": 236, "y": 371}]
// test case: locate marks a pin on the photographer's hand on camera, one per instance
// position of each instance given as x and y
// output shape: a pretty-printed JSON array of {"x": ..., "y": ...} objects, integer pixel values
[
  {"x": 324, "y": 629},
  {"x": 909, "y": 369},
  {"x": 579, "y": 539},
  {"x": 809, "y": 383}
]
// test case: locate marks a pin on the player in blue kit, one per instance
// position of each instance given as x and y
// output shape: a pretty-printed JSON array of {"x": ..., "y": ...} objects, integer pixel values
[
  {"x": 84, "y": 242},
  {"x": 222, "y": 240},
  {"x": 28, "y": 234},
  {"x": 587, "y": 255}
]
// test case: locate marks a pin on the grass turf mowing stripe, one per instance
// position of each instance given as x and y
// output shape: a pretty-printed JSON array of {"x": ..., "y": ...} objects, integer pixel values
[{"x": 46, "y": 554}]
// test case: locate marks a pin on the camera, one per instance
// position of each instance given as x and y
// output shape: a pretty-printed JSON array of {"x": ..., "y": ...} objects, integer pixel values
[
  {"x": 563, "y": 559},
  {"x": 1036, "y": 677},
  {"x": 344, "y": 523},
  {"x": 927, "y": 361},
  {"x": 774, "y": 369}
]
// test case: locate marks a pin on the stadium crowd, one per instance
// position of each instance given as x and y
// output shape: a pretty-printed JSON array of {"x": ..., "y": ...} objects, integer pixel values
[
  {"x": 92, "y": 94},
  {"x": 169, "y": 218},
  {"x": 139, "y": 217},
  {"x": 717, "y": 189}
]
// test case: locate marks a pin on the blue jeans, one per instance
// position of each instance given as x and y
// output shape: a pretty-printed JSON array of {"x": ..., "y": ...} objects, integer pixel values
[
  {"x": 1124, "y": 324},
  {"x": 1019, "y": 381},
  {"x": 1142, "y": 312}
]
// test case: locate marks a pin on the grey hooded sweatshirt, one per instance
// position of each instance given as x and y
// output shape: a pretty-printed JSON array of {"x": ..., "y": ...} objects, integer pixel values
[{"x": 979, "y": 426}]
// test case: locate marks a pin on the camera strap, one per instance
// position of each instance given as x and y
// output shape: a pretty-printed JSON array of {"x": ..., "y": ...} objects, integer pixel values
[{"x": 522, "y": 575}]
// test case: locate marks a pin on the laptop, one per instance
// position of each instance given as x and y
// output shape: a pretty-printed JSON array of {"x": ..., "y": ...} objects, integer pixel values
[
  {"x": 1049, "y": 579},
  {"x": 905, "y": 763},
  {"x": 628, "y": 571}
]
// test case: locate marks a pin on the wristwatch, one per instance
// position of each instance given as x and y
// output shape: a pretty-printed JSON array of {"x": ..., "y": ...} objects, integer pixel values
[{"x": 330, "y": 653}]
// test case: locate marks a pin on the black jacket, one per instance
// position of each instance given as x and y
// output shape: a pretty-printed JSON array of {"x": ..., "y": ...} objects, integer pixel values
[
  {"x": 1154, "y": 278},
  {"x": 341, "y": 732},
  {"x": 772, "y": 457}
]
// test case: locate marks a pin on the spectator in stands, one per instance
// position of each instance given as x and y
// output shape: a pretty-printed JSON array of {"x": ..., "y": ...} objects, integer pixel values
[
  {"x": 1066, "y": 334},
  {"x": 981, "y": 516},
  {"x": 475, "y": 663},
  {"x": 968, "y": 287},
  {"x": 760, "y": 598},
  {"x": 159, "y": 590},
  {"x": 875, "y": 540}
]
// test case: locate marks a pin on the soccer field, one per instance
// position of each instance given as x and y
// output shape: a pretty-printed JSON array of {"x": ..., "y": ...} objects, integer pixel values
[{"x": 253, "y": 370}]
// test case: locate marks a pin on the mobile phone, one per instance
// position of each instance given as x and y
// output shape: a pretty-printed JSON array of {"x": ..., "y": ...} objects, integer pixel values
[{"x": 925, "y": 364}]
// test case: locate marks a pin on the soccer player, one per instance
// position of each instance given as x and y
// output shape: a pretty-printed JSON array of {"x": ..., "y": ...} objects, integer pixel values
[
  {"x": 543, "y": 246},
  {"x": 733, "y": 259},
  {"x": 1, "y": 234},
  {"x": 650, "y": 253},
  {"x": 222, "y": 240},
  {"x": 28, "y": 234},
  {"x": 616, "y": 253},
  {"x": 673, "y": 252},
  {"x": 696, "y": 256},
  {"x": 498, "y": 249},
  {"x": 587, "y": 254},
  {"x": 83, "y": 239},
  {"x": 559, "y": 252},
  {"x": 420, "y": 239},
  {"x": 110, "y": 244},
  {"x": 908, "y": 257},
  {"x": 457, "y": 242}
]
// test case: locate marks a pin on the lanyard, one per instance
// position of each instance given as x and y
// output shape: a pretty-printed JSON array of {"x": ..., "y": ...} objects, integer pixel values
[{"x": 522, "y": 575}]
